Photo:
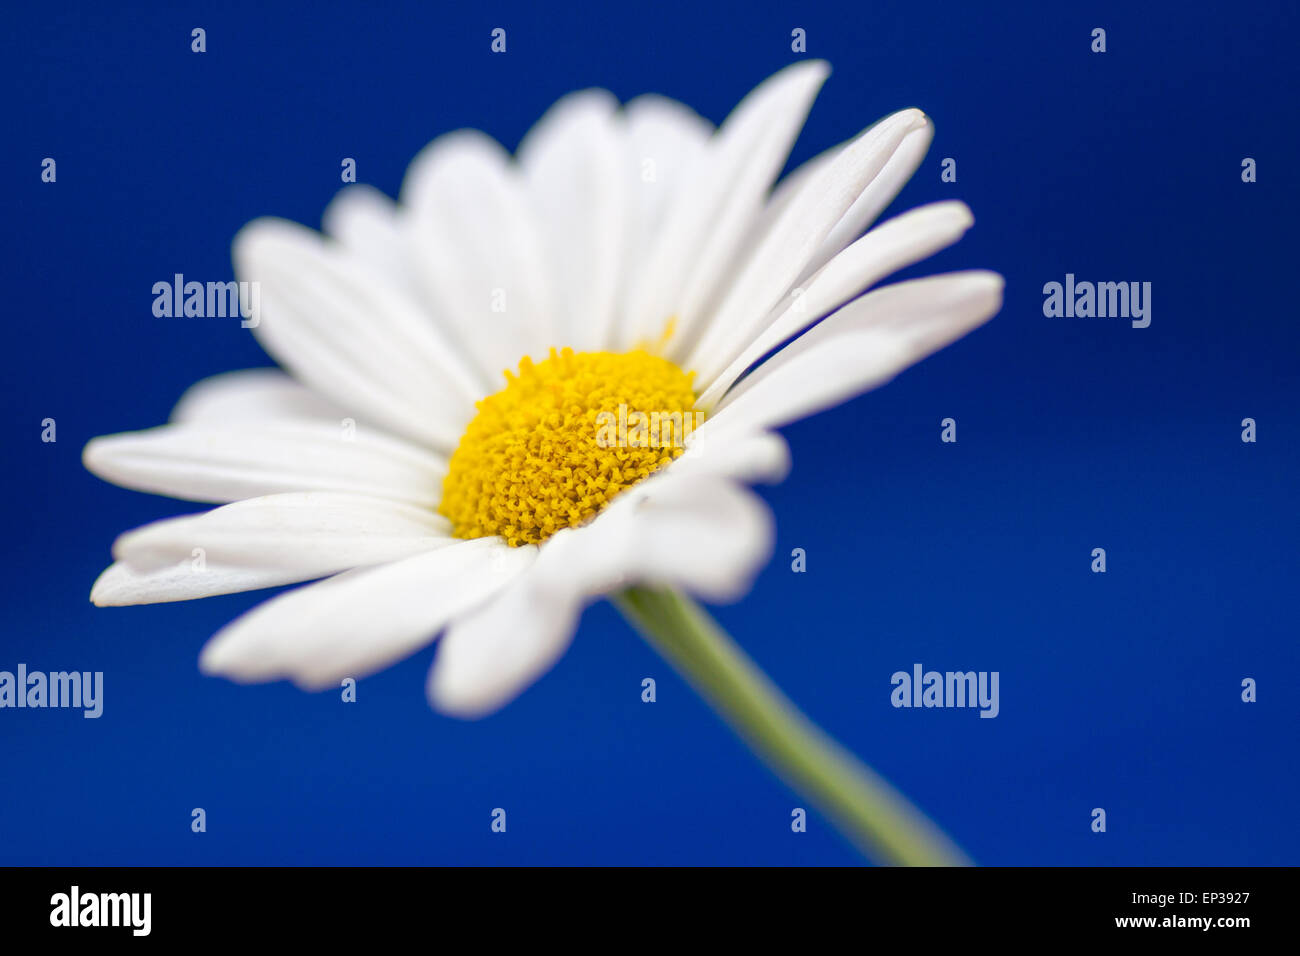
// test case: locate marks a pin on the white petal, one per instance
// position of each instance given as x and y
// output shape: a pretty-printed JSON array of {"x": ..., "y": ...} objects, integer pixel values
[
  {"x": 707, "y": 536},
  {"x": 780, "y": 256},
  {"x": 873, "y": 201},
  {"x": 710, "y": 216},
  {"x": 305, "y": 535},
  {"x": 889, "y": 247},
  {"x": 576, "y": 162},
  {"x": 898, "y": 170},
  {"x": 255, "y": 394},
  {"x": 480, "y": 252},
  {"x": 861, "y": 346},
  {"x": 760, "y": 456},
  {"x": 665, "y": 142},
  {"x": 221, "y": 463},
  {"x": 359, "y": 622},
  {"x": 349, "y": 333},
  {"x": 186, "y": 580},
  {"x": 490, "y": 655},
  {"x": 665, "y": 139},
  {"x": 369, "y": 225},
  {"x": 692, "y": 531},
  {"x": 792, "y": 184}
]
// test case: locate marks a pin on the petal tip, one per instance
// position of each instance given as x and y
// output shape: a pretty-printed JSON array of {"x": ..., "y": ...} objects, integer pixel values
[
  {"x": 214, "y": 658},
  {"x": 92, "y": 456},
  {"x": 103, "y": 593}
]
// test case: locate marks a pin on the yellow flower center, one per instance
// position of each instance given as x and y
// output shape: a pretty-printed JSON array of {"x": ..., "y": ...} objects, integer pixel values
[{"x": 565, "y": 436}]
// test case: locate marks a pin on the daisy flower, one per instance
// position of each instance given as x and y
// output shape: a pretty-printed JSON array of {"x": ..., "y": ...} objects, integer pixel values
[{"x": 544, "y": 379}]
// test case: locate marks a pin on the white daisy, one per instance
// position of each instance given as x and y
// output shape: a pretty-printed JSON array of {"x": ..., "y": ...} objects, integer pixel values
[{"x": 650, "y": 245}]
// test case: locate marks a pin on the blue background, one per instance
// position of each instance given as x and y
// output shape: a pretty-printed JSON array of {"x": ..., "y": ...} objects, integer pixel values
[{"x": 1119, "y": 690}]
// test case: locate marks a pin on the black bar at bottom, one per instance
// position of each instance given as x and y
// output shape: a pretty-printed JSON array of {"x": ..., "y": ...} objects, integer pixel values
[{"x": 333, "y": 905}]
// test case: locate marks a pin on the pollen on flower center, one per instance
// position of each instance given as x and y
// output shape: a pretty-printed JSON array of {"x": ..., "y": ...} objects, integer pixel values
[{"x": 565, "y": 436}]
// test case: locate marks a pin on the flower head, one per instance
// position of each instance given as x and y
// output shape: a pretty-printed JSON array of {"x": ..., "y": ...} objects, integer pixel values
[{"x": 630, "y": 262}]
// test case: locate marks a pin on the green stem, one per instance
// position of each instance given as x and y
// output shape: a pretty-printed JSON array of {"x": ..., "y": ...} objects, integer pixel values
[{"x": 867, "y": 810}]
